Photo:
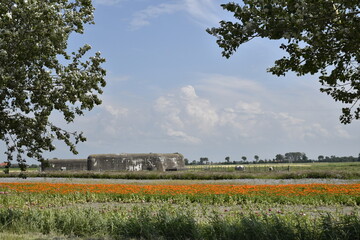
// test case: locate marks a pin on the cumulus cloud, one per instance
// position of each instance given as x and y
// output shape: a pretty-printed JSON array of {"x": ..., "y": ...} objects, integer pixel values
[
  {"x": 198, "y": 109},
  {"x": 172, "y": 116},
  {"x": 216, "y": 108},
  {"x": 200, "y": 118},
  {"x": 227, "y": 107},
  {"x": 186, "y": 113}
]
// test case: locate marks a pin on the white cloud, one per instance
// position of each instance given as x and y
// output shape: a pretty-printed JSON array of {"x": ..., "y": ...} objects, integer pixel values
[
  {"x": 108, "y": 2},
  {"x": 203, "y": 11},
  {"x": 232, "y": 108},
  {"x": 231, "y": 88},
  {"x": 187, "y": 114},
  {"x": 172, "y": 112},
  {"x": 342, "y": 133},
  {"x": 197, "y": 117},
  {"x": 249, "y": 107},
  {"x": 200, "y": 110},
  {"x": 183, "y": 136},
  {"x": 115, "y": 111},
  {"x": 143, "y": 17},
  {"x": 218, "y": 108}
]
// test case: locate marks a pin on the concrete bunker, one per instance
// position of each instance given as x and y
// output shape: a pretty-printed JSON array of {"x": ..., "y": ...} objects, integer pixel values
[
  {"x": 65, "y": 165},
  {"x": 136, "y": 162}
]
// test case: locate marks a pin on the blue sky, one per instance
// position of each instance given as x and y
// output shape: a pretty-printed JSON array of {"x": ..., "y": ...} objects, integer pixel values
[{"x": 169, "y": 90}]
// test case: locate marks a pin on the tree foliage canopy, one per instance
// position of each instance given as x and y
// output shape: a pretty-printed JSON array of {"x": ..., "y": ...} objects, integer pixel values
[
  {"x": 321, "y": 37},
  {"x": 38, "y": 76}
]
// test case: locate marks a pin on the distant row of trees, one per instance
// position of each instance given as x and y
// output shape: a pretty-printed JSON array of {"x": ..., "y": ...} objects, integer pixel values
[
  {"x": 333, "y": 158},
  {"x": 290, "y": 157}
]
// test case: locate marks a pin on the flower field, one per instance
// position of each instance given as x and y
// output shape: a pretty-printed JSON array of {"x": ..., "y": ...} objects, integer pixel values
[
  {"x": 187, "y": 211},
  {"x": 191, "y": 189},
  {"x": 297, "y": 193}
]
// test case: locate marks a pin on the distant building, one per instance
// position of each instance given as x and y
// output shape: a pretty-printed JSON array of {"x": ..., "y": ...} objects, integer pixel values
[
  {"x": 136, "y": 162},
  {"x": 65, "y": 165},
  {"x": 119, "y": 162}
]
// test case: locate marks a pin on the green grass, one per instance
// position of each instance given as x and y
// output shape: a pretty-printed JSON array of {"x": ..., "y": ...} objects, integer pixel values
[
  {"x": 347, "y": 170},
  {"x": 32, "y": 236},
  {"x": 19, "y": 170},
  {"x": 167, "y": 221},
  {"x": 315, "y": 166}
]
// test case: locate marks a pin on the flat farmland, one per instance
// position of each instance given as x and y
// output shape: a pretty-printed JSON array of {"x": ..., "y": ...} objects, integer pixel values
[
  {"x": 347, "y": 170},
  {"x": 71, "y": 207},
  {"x": 178, "y": 209},
  {"x": 313, "y": 166}
]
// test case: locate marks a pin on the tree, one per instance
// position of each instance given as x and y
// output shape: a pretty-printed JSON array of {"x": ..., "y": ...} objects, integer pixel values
[
  {"x": 38, "y": 76},
  {"x": 279, "y": 158},
  {"x": 321, "y": 158},
  {"x": 204, "y": 160},
  {"x": 243, "y": 158},
  {"x": 296, "y": 157},
  {"x": 227, "y": 159},
  {"x": 256, "y": 157},
  {"x": 320, "y": 37}
]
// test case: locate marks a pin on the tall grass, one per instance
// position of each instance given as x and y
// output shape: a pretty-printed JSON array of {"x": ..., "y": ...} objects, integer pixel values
[{"x": 168, "y": 222}]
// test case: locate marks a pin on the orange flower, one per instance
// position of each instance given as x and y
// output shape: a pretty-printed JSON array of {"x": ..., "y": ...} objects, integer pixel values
[{"x": 193, "y": 189}]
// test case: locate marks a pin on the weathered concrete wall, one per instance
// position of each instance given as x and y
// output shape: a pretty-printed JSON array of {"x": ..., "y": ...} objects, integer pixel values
[
  {"x": 66, "y": 165},
  {"x": 136, "y": 162}
]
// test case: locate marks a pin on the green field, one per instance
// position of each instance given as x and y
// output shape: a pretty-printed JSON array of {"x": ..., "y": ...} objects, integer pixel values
[
  {"x": 347, "y": 170},
  {"x": 315, "y": 166}
]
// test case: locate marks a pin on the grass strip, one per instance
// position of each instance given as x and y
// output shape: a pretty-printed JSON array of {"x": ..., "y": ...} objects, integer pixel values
[{"x": 172, "y": 223}]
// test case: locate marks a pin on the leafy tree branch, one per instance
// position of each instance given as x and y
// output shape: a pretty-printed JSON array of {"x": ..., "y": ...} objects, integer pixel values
[
  {"x": 322, "y": 38},
  {"x": 38, "y": 76}
]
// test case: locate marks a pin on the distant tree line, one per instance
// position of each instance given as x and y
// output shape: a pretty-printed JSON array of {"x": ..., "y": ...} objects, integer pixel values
[
  {"x": 333, "y": 158},
  {"x": 290, "y": 157}
]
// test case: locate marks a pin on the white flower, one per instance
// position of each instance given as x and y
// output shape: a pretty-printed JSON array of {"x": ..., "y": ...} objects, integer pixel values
[{"x": 9, "y": 15}]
